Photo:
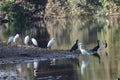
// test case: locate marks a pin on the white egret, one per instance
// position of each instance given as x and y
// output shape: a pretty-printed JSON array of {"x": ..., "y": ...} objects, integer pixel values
[
  {"x": 34, "y": 41},
  {"x": 50, "y": 43},
  {"x": 26, "y": 40},
  {"x": 10, "y": 40},
  {"x": 83, "y": 51},
  {"x": 74, "y": 47},
  {"x": 16, "y": 37}
]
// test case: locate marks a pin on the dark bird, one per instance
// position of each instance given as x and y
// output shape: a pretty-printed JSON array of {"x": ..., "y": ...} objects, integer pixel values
[
  {"x": 74, "y": 47},
  {"x": 105, "y": 44},
  {"x": 96, "y": 47}
]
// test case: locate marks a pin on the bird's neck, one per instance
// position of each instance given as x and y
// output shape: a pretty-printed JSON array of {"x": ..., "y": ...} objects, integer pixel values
[
  {"x": 76, "y": 42},
  {"x": 80, "y": 47},
  {"x": 98, "y": 43}
]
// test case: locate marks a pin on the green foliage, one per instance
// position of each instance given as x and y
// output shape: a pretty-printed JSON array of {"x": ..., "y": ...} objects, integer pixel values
[
  {"x": 16, "y": 13},
  {"x": 117, "y": 2},
  {"x": 110, "y": 6},
  {"x": 77, "y": 7},
  {"x": 13, "y": 11}
]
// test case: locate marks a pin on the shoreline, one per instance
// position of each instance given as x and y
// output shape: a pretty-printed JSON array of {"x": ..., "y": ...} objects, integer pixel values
[{"x": 18, "y": 54}]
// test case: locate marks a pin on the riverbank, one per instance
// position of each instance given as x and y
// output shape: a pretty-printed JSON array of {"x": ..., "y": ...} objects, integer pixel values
[{"x": 17, "y": 54}]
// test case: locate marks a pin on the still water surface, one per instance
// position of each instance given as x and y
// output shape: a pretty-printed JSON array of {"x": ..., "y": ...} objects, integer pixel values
[
  {"x": 65, "y": 69},
  {"x": 87, "y": 31}
]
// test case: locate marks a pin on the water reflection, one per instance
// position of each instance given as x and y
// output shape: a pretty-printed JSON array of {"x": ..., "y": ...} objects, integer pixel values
[
  {"x": 62, "y": 70},
  {"x": 66, "y": 69},
  {"x": 53, "y": 61},
  {"x": 83, "y": 66},
  {"x": 97, "y": 56}
]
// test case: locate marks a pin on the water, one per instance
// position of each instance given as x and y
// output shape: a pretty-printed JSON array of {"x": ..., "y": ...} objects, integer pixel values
[
  {"x": 87, "y": 31},
  {"x": 66, "y": 69}
]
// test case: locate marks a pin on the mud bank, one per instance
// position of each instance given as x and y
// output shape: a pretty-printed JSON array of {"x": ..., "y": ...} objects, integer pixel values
[{"x": 17, "y": 54}]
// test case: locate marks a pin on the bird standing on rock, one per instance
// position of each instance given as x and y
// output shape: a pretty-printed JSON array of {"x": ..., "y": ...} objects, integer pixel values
[
  {"x": 74, "y": 47},
  {"x": 50, "y": 43}
]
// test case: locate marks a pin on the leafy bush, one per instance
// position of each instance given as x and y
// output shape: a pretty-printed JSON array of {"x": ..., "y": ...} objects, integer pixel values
[{"x": 13, "y": 11}]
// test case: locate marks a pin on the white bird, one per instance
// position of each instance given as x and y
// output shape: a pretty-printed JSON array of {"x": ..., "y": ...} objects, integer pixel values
[
  {"x": 26, "y": 40},
  {"x": 51, "y": 42},
  {"x": 16, "y": 37},
  {"x": 84, "y": 65},
  {"x": 34, "y": 41},
  {"x": 10, "y": 40},
  {"x": 83, "y": 51}
]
